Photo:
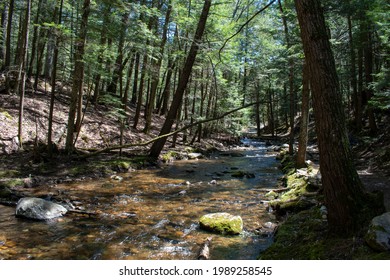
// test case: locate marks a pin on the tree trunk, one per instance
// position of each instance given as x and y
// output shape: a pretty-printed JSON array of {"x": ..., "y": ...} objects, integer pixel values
[
  {"x": 353, "y": 72},
  {"x": 135, "y": 80},
  {"x": 21, "y": 82},
  {"x": 78, "y": 78},
  {"x": 34, "y": 40},
  {"x": 183, "y": 80},
  {"x": 119, "y": 65},
  {"x": 102, "y": 47},
  {"x": 53, "y": 83},
  {"x": 290, "y": 80},
  {"x": 140, "y": 91},
  {"x": 368, "y": 67},
  {"x": 7, "y": 60},
  {"x": 303, "y": 134},
  {"x": 156, "y": 73},
  {"x": 3, "y": 39},
  {"x": 343, "y": 190}
]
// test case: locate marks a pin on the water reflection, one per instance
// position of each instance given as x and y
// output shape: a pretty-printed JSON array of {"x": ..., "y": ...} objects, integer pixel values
[{"x": 153, "y": 214}]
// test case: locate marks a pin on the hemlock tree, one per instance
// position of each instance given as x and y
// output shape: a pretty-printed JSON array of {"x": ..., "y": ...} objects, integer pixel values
[
  {"x": 348, "y": 204},
  {"x": 157, "y": 146},
  {"x": 78, "y": 79}
]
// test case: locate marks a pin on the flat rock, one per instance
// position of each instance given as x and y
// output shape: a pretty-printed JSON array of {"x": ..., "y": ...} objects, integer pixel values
[
  {"x": 38, "y": 209},
  {"x": 378, "y": 235},
  {"x": 223, "y": 223},
  {"x": 195, "y": 155}
]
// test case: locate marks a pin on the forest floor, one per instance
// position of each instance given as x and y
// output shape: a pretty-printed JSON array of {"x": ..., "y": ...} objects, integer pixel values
[
  {"x": 100, "y": 129},
  {"x": 31, "y": 167}
]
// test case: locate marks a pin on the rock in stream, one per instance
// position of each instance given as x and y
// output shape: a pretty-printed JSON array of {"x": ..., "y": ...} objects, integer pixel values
[{"x": 38, "y": 209}]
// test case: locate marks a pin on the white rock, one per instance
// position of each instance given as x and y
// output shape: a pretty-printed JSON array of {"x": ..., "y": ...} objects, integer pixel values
[{"x": 38, "y": 209}]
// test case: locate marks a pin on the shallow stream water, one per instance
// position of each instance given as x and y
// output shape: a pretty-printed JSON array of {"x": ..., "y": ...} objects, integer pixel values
[{"x": 154, "y": 213}]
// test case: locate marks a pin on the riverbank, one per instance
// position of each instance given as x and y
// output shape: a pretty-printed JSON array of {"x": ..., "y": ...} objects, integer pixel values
[
  {"x": 32, "y": 166},
  {"x": 303, "y": 232}
]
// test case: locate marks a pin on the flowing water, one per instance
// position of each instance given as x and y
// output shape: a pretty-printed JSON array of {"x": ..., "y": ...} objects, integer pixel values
[{"x": 154, "y": 213}]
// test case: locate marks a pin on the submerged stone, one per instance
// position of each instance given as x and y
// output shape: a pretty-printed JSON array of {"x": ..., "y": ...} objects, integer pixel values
[
  {"x": 223, "y": 223},
  {"x": 38, "y": 209},
  {"x": 378, "y": 235}
]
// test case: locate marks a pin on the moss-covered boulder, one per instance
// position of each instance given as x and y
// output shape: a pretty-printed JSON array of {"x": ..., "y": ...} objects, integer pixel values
[
  {"x": 378, "y": 235},
  {"x": 223, "y": 223}
]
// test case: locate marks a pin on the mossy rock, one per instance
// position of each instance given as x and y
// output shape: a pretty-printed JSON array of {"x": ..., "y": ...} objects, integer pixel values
[
  {"x": 124, "y": 165},
  {"x": 170, "y": 156},
  {"x": 378, "y": 234},
  {"x": 305, "y": 236},
  {"x": 5, "y": 192},
  {"x": 223, "y": 223},
  {"x": 11, "y": 182},
  {"x": 292, "y": 206}
]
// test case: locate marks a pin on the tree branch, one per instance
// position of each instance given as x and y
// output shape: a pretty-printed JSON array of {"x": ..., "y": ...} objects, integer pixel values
[
  {"x": 142, "y": 144},
  {"x": 242, "y": 26}
]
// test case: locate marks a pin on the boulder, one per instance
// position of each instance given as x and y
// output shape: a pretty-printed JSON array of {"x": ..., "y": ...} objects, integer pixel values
[
  {"x": 38, "y": 209},
  {"x": 378, "y": 235},
  {"x": 195, "y": 155},
  {"x": 223, "y": 223}
]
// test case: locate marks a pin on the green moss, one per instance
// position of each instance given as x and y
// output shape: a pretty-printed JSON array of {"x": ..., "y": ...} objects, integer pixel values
[
  {"x": 305, "y": 236},
  {"x": 6, "y": 114},
  {"x": 12, "y": 182},
  {"x": 222, "y": 223},
  {"x": 9, "y": 173},
  {"x": 169, "y": 156}
]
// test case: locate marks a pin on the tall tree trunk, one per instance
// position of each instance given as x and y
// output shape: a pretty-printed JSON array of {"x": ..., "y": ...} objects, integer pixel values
[
  {"x": 156, "y": 73},
  {"x": 368, "y": 67},
  {"x": 7, "y": 60},
  {"x": 360, "y": 83},
  {"x": 343, "y": 190},
  {"x": 303, "y": 134},
  {"x": 34, "y": 40},
  {"x": 21, "y": 82},
  {"x": 41, "y": 48},
  {"x": 157, "y": 146},
  {"x": 78, "y": 78},
  {"x": 140, "y": 91},
  {"x": 119, "y": 65},
  {"x": 3, "y": 39},
  {"x": 135, "y": 80},
  {"x": 257, "y": 111},
  {"x": 290, "y": 80},
  {"x": 102, "y": 47},
  {"x": 53, "y": 82},
  {"x": 353, "y": 72}
]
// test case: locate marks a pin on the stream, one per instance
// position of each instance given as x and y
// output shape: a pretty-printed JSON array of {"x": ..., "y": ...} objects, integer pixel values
[{"x": 154, "y": 213}]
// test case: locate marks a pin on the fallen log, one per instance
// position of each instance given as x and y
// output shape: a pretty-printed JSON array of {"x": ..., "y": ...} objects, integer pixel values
[
  {"x": 204, "y": 252},
  {"x": 146, "y": 143}
]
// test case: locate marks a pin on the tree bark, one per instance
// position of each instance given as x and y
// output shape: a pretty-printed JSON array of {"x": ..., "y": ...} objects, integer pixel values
[
  {"x": 21, "y": 82},
  {"x": 290, "y": 79},
  {"x": 7, "y": 60},
  {"x": 156, "y": 73},
  {"x": 34, "y": 40},
  {"x": 102, "y": 46},
  {"x": 183, "y": 80},
  {"x": 78, "y": 78},
  {"x": 3, "y": 26},
  {"x": 343, "y": 190},
  {"x": 53, "y": 83},
  {"x": 303, "y": 134}
]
